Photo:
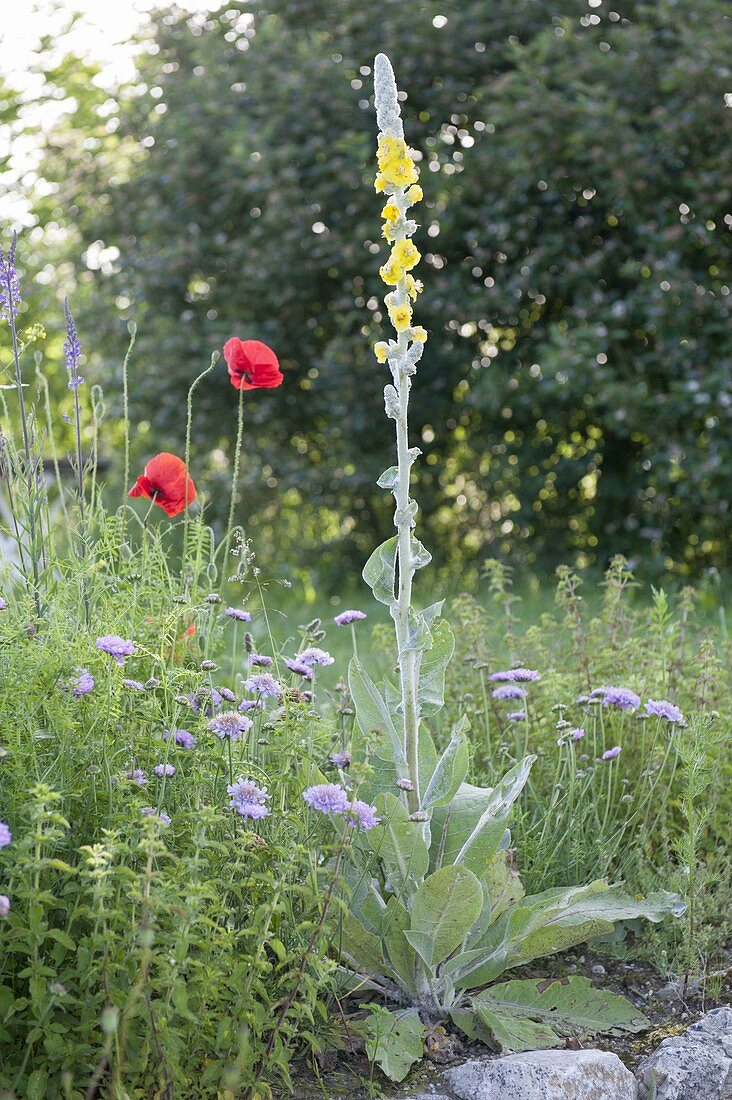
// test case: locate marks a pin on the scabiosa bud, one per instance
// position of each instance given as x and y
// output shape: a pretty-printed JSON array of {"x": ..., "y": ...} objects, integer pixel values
[
  {"x": 72, "y": 350},
  {"x": 315, "y": 656},
  {"x": 137, "y": 775},
  {"x": 183, "y": 738},
  {"x": 327, "y": 798},
  {"x": 227, "y": 694},
  {"x": 4, "y": 905},
  {"x": 347, "y": 617},
  {"x": 248, "y": 799},
  {"x": 363, "y": 815},
  {"x": 405, "y": 784},
  {"x": 152, "y": 683},
  {"x": 621, "y": 697},
  {"x": 341, "y": 759},
  {"x": 82, "y": 684},
  {"x": 248, "y": 704},
  {"x": 116, "y": 647},
  {"x": 419, "y": 815},
  {"x": 238, "y": 614},
  {"x": 508, "y": 691},
  {"x": 208, "y": 666},
  {"x": 661, "y": 708},
  {"x": 164, "y": 770},
  {"x": 260, "y": 659},
  {"x": 213, "y": 597},
  {"x": 610, "y": 754},
  {"x": 5, "y": 835},
  {"x": 264, "y": 684},
  {"x": 230, "y": 724}
]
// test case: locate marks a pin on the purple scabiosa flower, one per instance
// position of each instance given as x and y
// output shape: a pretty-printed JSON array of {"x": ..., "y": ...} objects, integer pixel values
[
  {"x": 137, "y": 775},
  {"x": 82, "y": 684},
  {"x": 347, "y": 617},
  {"x": 134, "y": 685},
  {"x": 622, "y": 698},
  {"x": 517, "y": 715},
  {"x": 238, "y": 614},
  {"x": 183, "y": 738},
  {"x": 508, "y": 691},
  {"x": 610, "y": 754},
  {"x": 296, "y": 665},
  {"x": 405, "y": 784},
  {"x": 363, "y": 815},
  {"x": 230, "y": 724},
  {"x": 208, "y": 702},
  {"x": 10, "y": 298},
  {"x": 248, "y": 798},
  {"x": 341, "y": 759},
  {"x": 327, "y": 798},
  {"x": 150, "y": 811},
  {"x": 164, "y": 769},
  {"x": 4, "y": 905},
  {"x": 5, "y": 835},
  {"x": 116, "y": 647},
  {"x": 72, "y": 350},
  {"x": 248, "y": 704},
  {"x": 577, "y": 734},
  {"x": 227, "y": 694},
  {"x": 260, "y": 659},
  {"x": 3, "y": 604},
  {"x": 661, "y": 708},
  {"x": 264, "y": 684},
  {"x": 315, "y": 656}
]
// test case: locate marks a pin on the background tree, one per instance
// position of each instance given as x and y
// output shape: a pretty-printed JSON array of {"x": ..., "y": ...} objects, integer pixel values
[{"x": 577, "y": 399}]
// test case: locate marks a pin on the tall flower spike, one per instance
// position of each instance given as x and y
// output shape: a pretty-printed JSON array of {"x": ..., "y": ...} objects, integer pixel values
[
  {"x": 388, "y": 116},
  {"x": 72, "y": 349},
  {"x": 9, "y": 287}
]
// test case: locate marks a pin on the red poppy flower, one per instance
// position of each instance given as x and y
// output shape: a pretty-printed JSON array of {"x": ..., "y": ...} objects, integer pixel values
[
  {"x": 252, "y": 365},
  {"x": 164, "y": 482}
]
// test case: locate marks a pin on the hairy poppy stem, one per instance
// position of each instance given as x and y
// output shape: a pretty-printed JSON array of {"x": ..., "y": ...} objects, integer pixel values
[
  {"x": 215, "y": 356},
  {"x": 132, "y": 329},
  {"x": 234, "y": 480}
]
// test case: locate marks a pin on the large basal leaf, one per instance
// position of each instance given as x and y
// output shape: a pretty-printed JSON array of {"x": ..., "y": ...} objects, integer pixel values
[
  {"x": 400, "y": 846},
  {"x": 432, "y": 666},
  {"x": 373, "y": 713},
  {"x": 543, "y": 924},
  {"x": 450, "y": 770},
  {"x": 444, "y": 909},
  {"x": 531, "y": 1014},
  {"x": 397, "y": 949},
  {"x": 394, "y": 1040},
  {"x": 379, "y": 572},
  {"x": 360, "y": 948}
]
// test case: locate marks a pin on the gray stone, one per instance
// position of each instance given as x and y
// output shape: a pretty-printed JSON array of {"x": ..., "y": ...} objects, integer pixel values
[
  {"x": 694, "y": 1066},
  {"x": 545, "y": 1075}
]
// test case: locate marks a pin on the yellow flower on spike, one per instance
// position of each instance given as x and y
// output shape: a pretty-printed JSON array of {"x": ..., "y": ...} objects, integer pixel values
[
  {"x": 391, "y": 273},
  {"x": 388, "y": 232},
  {"x": 381, "y": 350},
  {"x": 379, "y": 183},
  {"x": 415, "y": 194},
  {"x": 414, "y": 287},
  {"x": 401, "y": 317},
  {"x": 400, "y": 172},
  {"x": 390, "y": 213},
  {"x": 419, "y": 334},
  {"x": 390, "y": 148},
  {"x": 405, "y": 255}
]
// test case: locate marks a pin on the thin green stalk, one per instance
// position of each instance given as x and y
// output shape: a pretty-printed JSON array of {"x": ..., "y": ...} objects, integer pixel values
[
  {"x": 234, "y": 484},
  {"x": 215, "y": 356}
]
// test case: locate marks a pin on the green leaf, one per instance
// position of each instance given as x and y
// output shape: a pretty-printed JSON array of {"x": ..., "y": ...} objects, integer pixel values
[
  {"x": 379, "y": 572},
  {"x": 400, "y": 846},
  {"x": 394, "y": 1040},
  {"x": 432, "y": 667},
  {"x": 531, "y": 1014},
  {"x": 372, "y": 711},
  {"x": 419, "y": 555},
  {"x": 389, "y": 478},
  {"x": 444, "y": 909},
  {"x": 396, "y": 946},
  {"x": 451, "y": 768},
  {"x": 360, "y": 948},
  {"x": 488, "y": 831}
]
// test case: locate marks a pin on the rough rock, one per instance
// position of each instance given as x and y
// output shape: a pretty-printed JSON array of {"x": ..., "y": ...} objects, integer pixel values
[
  {"x": 694, "y": 1066},
  {"x": 545, "y": 1075}
]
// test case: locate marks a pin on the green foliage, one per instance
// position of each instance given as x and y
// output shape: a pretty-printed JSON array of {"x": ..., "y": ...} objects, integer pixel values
[{"x": 579, "y": 299}]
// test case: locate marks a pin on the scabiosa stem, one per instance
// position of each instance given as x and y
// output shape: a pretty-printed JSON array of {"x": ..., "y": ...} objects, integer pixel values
[{"x": 397, "y": 178}]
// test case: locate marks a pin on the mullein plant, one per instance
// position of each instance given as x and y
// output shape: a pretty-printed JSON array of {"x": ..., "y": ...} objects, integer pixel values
[{"x": 436, "y": 911}]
